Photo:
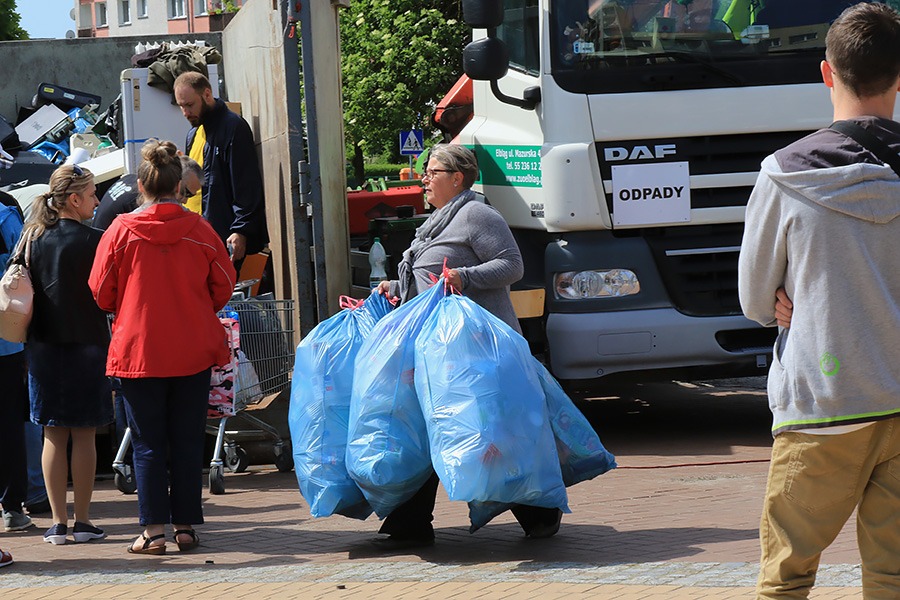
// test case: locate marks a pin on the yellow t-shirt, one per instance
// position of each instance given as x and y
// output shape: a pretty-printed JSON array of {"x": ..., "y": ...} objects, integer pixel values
[{"x": 195, "y": 202}]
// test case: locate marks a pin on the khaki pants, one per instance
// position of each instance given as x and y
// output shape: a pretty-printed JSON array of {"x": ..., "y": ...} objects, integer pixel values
[{"x": 815, "y": 482}]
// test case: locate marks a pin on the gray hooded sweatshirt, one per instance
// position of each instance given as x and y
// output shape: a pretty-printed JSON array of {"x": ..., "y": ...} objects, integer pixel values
[{"x": 827, "y": 229}]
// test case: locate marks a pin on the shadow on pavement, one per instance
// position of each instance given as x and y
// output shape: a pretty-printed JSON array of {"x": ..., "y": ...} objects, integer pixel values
[
  {"x": 675, "y": 418},
  {"x": 594, "y": 545}
]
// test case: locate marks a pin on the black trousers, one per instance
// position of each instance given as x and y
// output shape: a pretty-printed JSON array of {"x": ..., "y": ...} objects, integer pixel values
[
  {"x": 412, "y": 519},
  {"x": 13, "y": 408}
]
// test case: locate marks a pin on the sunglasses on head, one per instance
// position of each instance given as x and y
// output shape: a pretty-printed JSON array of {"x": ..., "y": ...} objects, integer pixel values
[{"x": 76, "y": 173}]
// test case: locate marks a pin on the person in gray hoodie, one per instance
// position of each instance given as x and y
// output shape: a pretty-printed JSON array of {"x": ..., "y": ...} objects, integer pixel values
[{"x": 822, "y": 223}]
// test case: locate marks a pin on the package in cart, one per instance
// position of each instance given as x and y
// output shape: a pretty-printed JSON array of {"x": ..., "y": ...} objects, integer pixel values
[{"x": 222, "y": 377}]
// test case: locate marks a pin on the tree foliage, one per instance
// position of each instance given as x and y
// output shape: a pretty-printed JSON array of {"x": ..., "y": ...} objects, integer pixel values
[
  {"x": 399, "y": 58},
  {"x": 9, "y": 22}
]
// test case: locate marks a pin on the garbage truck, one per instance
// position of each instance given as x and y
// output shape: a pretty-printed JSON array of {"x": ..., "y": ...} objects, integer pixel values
[{"x": 621, "y": 139}]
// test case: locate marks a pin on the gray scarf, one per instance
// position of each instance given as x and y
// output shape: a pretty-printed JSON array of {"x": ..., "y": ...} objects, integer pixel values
[{"x": 425, "y": 234}]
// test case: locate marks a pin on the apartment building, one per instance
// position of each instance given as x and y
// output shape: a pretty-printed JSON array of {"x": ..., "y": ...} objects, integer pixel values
[{"x": 107, "y": 18}]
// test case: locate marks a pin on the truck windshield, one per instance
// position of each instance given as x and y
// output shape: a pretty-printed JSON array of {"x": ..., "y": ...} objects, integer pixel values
[{"x": 612, "y": 46}]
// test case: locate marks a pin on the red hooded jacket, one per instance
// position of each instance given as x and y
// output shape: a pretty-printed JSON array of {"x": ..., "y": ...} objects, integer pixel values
[{"x": 164, "y": 272}]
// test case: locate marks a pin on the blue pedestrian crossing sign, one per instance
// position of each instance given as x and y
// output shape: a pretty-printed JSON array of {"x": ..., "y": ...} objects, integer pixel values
[{"x": 411, "y": 142}]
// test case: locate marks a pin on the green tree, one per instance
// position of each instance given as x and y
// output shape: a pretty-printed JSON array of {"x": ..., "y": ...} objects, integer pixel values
[
  {"x": 9, "y": 22},
  {"x": 399, "y": 58}
]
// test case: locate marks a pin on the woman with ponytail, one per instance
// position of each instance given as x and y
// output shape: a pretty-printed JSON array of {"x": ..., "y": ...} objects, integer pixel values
[
  {"x": 66, "y": 346},
  {"x": 165, "y": 273}
]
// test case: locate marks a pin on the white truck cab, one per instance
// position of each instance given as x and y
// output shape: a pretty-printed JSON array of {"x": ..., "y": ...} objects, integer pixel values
[{"x": 621, "y": 139}]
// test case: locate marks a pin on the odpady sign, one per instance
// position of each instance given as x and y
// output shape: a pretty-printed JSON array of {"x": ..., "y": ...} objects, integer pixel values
[{"x": 648, "y": 193}]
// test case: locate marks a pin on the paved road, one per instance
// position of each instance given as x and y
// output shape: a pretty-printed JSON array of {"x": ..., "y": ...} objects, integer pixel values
[{"x": 678, "y": 519}]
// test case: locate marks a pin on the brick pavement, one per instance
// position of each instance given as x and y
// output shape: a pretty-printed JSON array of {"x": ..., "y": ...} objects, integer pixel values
[{"x": 651, "y": 529}]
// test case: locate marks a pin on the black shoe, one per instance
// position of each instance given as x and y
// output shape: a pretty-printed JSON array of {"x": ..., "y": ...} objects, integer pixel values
[
  {"x": 39, "y": 507},
  {"x": 394, "y": 544},
  {"x": 85, "y": 532},
  {"x": 545, "y": 530},
  {"x": 56, "y": 535}
]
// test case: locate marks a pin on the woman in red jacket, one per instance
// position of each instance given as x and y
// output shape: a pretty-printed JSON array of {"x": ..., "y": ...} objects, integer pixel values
[{"x": 164, "y": 272}]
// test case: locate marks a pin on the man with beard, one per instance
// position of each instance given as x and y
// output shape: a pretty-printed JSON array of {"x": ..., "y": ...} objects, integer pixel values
[{"x": 233, "y": 201}]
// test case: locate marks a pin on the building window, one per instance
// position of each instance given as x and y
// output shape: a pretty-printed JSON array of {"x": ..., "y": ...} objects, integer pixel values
[
  {"x": 142, "y": 9},
  {"x": 124, "y": 12},
  {"x": 100, "y": 14},
  {"x": 199, "y": 8},
  {"x": 176, "y": 9}
]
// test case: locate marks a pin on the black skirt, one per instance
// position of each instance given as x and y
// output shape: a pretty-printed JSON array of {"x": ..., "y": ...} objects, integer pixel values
[{"x": 68, "y": 386}]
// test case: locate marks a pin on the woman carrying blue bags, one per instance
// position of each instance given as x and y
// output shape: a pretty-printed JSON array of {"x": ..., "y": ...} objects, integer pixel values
[{"x": 483, "y": 261}]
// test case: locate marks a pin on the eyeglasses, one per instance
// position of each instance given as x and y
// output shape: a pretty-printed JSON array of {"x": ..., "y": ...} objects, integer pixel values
[
  {"x": 187, "y": 193},
  {"x": 429, "y": 173}
]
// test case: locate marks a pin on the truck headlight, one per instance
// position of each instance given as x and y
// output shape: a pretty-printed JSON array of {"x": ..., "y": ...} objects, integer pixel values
[{"x": 613, "y": 283}]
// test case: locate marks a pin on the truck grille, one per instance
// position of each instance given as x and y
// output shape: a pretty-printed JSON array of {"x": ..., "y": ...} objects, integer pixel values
[
  {"x": 698, "y": 263},
  {"x": 708, "y": 155},
  {"x": 698, "y": 266}
]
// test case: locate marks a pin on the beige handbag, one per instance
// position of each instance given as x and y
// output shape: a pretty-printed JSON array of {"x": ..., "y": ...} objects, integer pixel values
[{"x": 17, "y": 295}]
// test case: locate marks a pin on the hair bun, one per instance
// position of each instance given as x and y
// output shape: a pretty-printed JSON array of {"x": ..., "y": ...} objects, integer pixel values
[{"x": 159, "y": 154}]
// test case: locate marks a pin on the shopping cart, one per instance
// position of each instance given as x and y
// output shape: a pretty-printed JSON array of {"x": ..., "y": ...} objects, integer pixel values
[
  {"x": 260, "y": 337},
  {"x": 260, "y": 333}
]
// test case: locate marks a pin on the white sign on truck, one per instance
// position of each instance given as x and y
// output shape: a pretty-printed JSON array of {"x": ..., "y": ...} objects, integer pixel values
[{"x": 651, "y": 194}]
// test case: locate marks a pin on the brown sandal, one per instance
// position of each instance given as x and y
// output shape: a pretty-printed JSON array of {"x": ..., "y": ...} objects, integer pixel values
[
  {"x": 185, "y": 546},
  {"x": 147, "y": 548}
]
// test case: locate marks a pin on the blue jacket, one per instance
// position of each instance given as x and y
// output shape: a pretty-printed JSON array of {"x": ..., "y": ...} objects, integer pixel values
[{"x": 10, "y": 230}]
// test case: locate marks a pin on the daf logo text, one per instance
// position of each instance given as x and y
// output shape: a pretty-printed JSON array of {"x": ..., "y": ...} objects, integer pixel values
[{"x": 617, "y": 153}]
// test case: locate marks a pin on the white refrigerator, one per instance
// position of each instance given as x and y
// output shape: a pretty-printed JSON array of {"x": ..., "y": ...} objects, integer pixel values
[{"x": 148, "y": 112}]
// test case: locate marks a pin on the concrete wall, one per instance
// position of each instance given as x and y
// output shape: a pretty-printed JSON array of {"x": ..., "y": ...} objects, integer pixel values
[{"x": 90, "y": 65}]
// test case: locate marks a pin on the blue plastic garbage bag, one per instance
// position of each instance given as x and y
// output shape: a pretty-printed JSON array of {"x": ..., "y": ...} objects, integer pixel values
[
  {"x": 582, "y": 455},
  {"x": 320, "y": 406},
  {"x": 487, "y": 418},
  {"x": 387, "y": 445}
]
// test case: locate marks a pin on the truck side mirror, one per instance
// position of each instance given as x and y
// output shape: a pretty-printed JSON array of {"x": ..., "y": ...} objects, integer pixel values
[
  {"x": 486, "y": 59},
  {"x": 483, "y": 14}
]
